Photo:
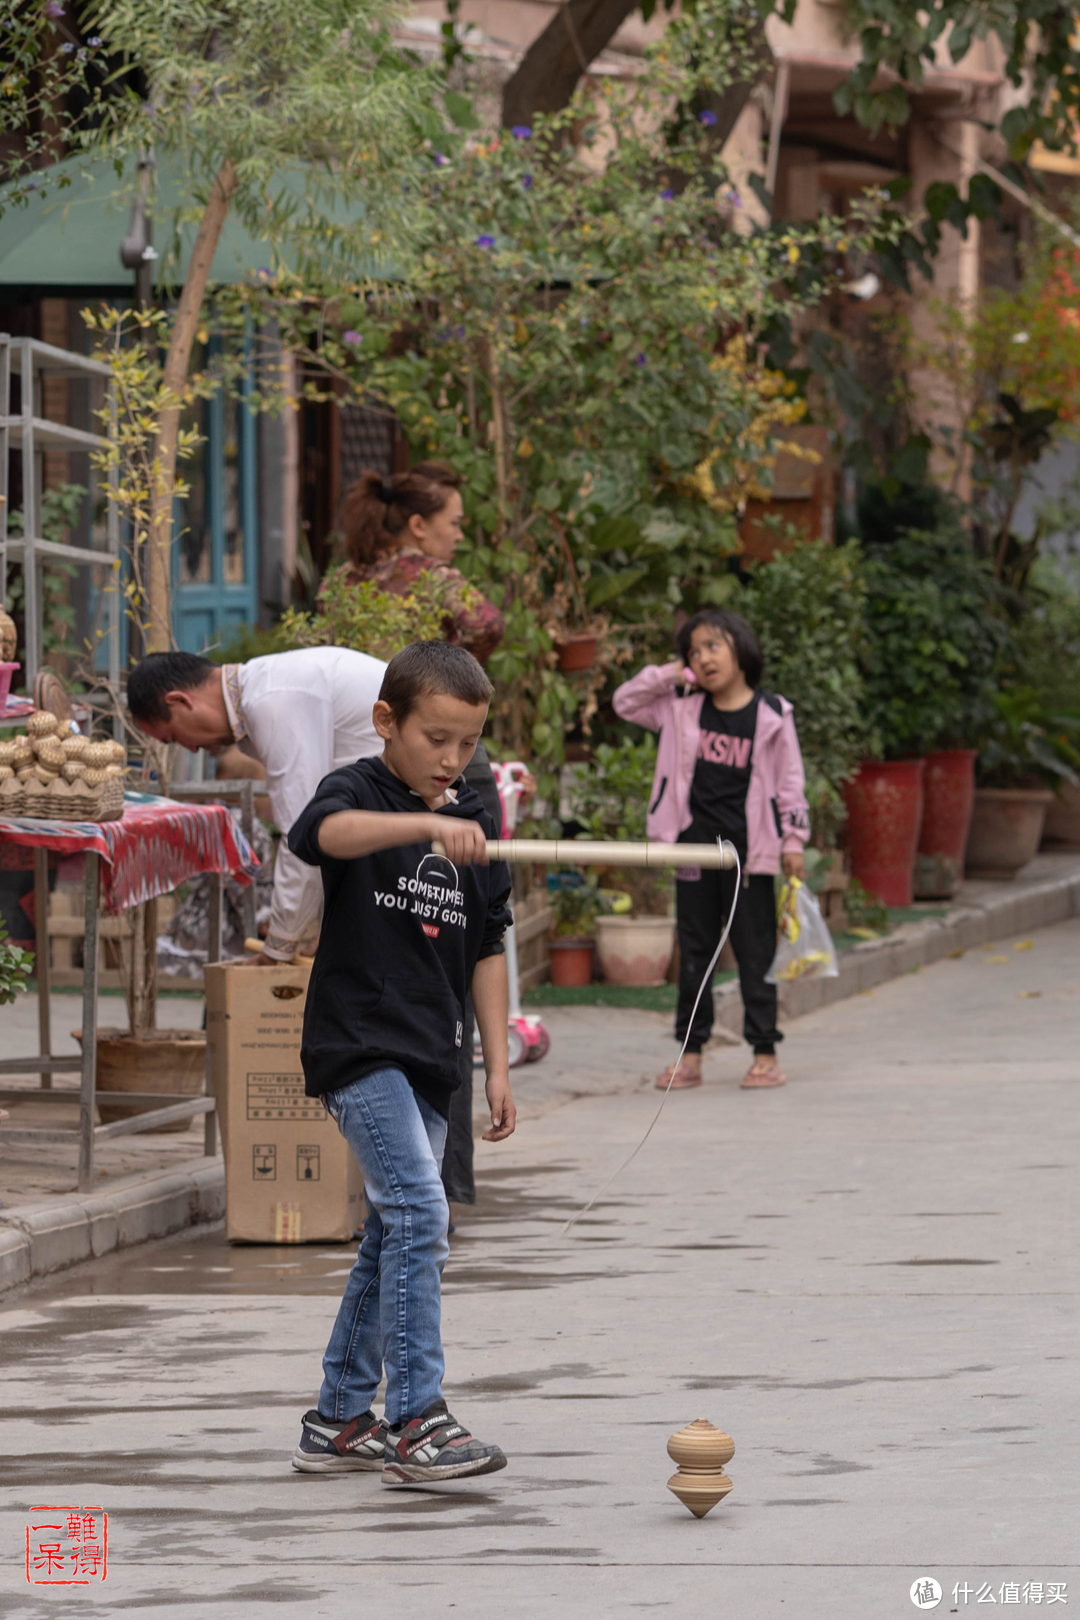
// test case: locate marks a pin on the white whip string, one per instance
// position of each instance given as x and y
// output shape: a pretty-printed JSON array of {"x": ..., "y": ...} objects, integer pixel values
[{"x": 675, "y": 1067}]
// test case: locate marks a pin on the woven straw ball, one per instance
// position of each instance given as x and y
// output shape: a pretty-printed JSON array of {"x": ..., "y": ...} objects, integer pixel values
[{"x": 41, "y": 723}]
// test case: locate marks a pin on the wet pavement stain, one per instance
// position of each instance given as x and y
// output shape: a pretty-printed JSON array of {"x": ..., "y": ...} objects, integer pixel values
[
  {"x": 768, "y": 1383},
  {"x": 479, "y": 1278},
  {"x": 831, "y": 1465},
  {"x": 528, "y": 1380},
  {"x": 934, "y": 1262}
]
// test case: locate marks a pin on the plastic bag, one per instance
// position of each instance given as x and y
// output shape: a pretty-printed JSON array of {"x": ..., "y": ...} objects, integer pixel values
[{"x": 805, "y": 948}]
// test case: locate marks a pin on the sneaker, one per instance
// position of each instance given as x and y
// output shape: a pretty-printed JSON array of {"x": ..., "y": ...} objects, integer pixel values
[
  {"x": 433, "y": 1447},
  {"x": 329, "y": 1447}
]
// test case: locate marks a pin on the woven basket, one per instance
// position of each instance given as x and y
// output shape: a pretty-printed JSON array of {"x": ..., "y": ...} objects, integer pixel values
[{"x": 108, "y": 805}]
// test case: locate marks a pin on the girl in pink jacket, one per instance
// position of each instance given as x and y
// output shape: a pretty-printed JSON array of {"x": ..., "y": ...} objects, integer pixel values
[{"x": 727, "y": 766}]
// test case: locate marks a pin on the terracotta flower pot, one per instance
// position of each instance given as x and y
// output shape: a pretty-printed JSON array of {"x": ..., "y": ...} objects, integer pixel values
[
  {"x": 168, "y": 1060},
  {"x": 1061, "y": 829},
  {"x": 1005, "y": 830},
  {"x": 571, "y": 962},
  {"x": 948, "y": 801},
  {"x": 635, "y": 950},
  {"x": 577, "y": 653},
  {"x": 884, "y": 806}
]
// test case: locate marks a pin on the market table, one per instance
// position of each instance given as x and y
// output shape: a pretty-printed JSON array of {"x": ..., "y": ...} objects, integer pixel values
[{"x": 149, "y": 851}]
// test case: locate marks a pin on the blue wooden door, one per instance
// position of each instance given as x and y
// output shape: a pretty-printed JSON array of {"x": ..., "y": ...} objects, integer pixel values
[{"x": 215, "y": 555}]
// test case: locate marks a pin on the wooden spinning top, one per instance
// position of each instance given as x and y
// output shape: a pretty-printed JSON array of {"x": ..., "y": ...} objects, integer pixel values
[{"x": 701, "y": 1450}]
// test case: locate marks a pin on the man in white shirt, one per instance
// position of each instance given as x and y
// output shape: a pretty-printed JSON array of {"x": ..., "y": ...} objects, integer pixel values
[{"x": 300, "y": 714}]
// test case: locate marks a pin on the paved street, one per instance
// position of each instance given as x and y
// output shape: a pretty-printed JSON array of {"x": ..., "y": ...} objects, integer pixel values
[{"x": 868, "y": 1278}]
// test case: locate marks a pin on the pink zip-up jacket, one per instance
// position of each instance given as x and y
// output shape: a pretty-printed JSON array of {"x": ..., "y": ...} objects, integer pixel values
[{"x": 777, "y": 814}]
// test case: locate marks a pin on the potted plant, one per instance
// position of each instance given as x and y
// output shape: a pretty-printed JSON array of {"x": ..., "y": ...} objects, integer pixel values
[
  {"x": 929, "y": 661},
  {"x": 574, "y": 909},
  {"x": 1027, "y": 753}
]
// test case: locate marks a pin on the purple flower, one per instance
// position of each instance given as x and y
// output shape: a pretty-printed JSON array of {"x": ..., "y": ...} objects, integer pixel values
[
  {"x": 351, "y": 338},
  {"x": 707, "y": 118},
  {"x": 639, "y": 360},
  {"x": 667, "y": 195},
  {"x": 95, "y": 39},
  {"x": 526, "y": 181},
  {"x": 441, "y": 160},
  {"x": 67, "y": 48},
  {"x": 521, "y": 132},
  {"x": 485, "y": 241},
  {"x": 459, "y": 332},
  {"x": 53, "y": 8}
]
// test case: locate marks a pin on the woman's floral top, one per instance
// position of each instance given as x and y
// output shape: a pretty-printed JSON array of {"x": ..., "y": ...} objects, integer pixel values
[{"x": 471, "y": 620}]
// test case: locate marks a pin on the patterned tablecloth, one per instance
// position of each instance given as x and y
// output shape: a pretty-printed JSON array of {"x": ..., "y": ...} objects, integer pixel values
[{"x": 151, "y": 849}]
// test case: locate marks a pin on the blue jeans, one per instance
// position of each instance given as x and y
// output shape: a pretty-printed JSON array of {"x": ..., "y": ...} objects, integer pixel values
[{"x": 391, "y": 1312}]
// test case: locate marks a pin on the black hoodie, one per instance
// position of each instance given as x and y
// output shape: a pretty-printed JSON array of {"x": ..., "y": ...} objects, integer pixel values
[{"x": 402, "y": 931}]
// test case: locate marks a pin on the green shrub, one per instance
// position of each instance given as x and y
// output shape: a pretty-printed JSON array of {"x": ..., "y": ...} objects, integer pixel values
[
  {"x": 935, "y": 634},
  {"x": 807, "y": 606},
  {"x": 16, "y": 965},
  {"x": 610, "y": 799},
  {"x": 360, "y": 616}
]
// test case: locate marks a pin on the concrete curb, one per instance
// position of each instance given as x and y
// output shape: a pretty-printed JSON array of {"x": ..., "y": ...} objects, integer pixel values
[
  {"x": 998, "y": 910},
  {"x": 38, "y": 1238}
]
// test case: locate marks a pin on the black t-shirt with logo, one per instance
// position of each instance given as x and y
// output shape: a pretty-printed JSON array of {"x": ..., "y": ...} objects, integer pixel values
[{"x": 722, "y": 771}]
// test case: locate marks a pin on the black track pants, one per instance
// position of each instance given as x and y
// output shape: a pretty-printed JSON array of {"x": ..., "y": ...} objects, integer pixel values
[{"x": 701, "y": 908}]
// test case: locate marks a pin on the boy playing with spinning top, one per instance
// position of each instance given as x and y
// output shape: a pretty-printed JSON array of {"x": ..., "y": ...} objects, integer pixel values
[{"x": 406, "y": 933}]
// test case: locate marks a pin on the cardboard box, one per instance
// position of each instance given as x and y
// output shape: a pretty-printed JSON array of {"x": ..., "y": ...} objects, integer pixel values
[{"x": 289, "y": 1175}]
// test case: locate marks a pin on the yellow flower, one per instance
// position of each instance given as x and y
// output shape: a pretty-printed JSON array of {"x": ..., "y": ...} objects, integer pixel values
[
  {"x": 525, "y": 449},
  {"x": 793, "y": 255}
]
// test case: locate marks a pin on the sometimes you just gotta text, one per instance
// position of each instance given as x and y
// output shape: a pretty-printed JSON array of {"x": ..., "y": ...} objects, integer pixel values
[{"x": 430, "y": 901}]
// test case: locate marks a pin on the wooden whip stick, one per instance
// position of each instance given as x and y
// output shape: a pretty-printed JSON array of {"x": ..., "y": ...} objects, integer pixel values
[{"x": 603, "y": 852}]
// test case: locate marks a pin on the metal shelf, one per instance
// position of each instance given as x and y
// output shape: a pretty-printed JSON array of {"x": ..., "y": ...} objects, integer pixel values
[
  {"x": 47, "y": 357},
  {"x": 52, "y": 435},
  {"x": 29, "y": 435},
  {"x": 53, "y": 548}
]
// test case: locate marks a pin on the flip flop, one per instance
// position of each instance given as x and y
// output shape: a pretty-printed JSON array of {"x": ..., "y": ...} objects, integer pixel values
[
  {"x": 763, "y": 1079},
  {"x": 683, "y": 1080}
]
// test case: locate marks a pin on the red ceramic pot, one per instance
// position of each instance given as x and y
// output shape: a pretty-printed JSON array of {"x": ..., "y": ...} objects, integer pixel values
[
  {"x": 571, "y": 962},
  {"x": 948, "y": 802},
  {"x": 577, "y": 653},
  {"x": 884, "y": 806}
]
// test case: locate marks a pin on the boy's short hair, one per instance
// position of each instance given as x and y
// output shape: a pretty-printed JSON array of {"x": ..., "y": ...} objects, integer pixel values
[
  {"x": 163, "y": 672},
  {"x": 432, "y": 669},
  {"x": 744, "y": 642}
]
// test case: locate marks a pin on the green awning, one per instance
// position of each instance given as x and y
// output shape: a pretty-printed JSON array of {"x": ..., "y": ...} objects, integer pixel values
[{"x": 71, "y": 238}]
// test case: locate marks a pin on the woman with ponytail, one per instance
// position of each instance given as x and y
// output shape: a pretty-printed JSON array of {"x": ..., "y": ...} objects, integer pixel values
[
  {"x": 399, "y": 528},
  {"x": 396, "y": 530}
]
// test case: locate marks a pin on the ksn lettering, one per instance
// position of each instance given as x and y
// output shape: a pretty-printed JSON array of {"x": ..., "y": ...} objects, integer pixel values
[{"x": 719, "y": 749}]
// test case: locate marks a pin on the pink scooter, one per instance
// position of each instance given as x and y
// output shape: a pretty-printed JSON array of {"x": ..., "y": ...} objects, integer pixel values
[{"x": 527, "y": 1038}]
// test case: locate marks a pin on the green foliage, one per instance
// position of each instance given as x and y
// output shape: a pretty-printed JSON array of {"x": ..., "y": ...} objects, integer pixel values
[
  {"x": 934, "y": 637},
  {"x": 1045, "y": 642},
  {"x": 574, "y": 910},
  {"x": 864, "y": 910},
  {"x": 364, "y": 618},
  {"x": 808, "y": 606},
  {"x": 610, "y": 797},
  {"x": 60, "y": 508},
  {"x": 313, "y": 106},
  {"x": 576, "y": 335},
  {"x": 1038, "y": 42},
  {"x": 16, "y": 966},
  {"x": 1028, "y": 746}
]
